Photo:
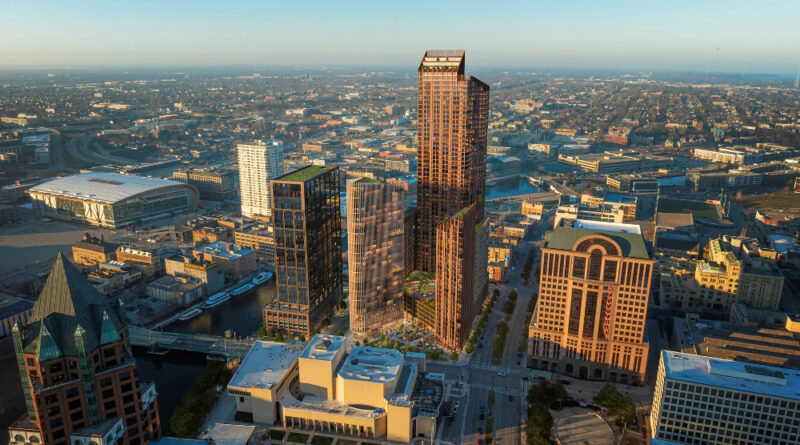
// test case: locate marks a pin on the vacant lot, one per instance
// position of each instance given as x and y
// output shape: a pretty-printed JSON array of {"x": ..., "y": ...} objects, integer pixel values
[
  {"x": 698, "y": 208},
  {"x": 34, "y": 242},
  {"x": 770, "y": 201}
]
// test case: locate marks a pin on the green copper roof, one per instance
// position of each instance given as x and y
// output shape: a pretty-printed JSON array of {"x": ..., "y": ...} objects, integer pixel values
[
  {"x": 304, "y": 174},
  {"x": 108, "y": 332},
  {"x": 67, "y": 302},
  {"x": 48, "y": 349},
  {"x": 564, "y": 238}
]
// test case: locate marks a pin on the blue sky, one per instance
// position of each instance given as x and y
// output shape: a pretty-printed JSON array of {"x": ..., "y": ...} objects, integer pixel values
[{"x": 754, "y": 36}]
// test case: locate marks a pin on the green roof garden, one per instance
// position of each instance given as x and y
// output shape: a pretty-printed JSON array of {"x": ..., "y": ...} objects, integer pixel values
[
  {"x": 304, "y": 174},
  {"x": 366, "y": 180}
]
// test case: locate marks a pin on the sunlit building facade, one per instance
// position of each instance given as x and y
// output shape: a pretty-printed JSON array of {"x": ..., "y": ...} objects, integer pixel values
[
  {"x": 375, "y": 232},
  {"x": 258, "y": 163},
  {"x": 455, "y": 278},
  {"x": 308, "y": 250},
  {"x": 593, "y": 292},
  {"x": 452, "y": 111}
]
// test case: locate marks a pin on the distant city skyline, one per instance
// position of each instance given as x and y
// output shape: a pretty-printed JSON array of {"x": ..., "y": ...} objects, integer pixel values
[{"x": 717, "y": 36}]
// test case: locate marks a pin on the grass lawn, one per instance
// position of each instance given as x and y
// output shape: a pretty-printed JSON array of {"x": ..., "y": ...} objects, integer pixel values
[
  {"x": 297, "y": 437},
  {"x": 276, "y": 434},
  {"x": 699, "y": 209},
  {"x": 322, "y": 440},
  {"x": 770, "y": 202}
]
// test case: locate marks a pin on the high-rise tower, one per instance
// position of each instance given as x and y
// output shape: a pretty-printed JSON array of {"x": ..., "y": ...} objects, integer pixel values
[
  {"x": 77, "y": 372},
  {"x": 308, "y": 249},
  {"x": 258, "y": 163},
  {"x": 455, "y": 280},
  {"x": 375, "y": 234},
  {"x": 592, "y": 306},
  {"x": 453, "y": 116}
]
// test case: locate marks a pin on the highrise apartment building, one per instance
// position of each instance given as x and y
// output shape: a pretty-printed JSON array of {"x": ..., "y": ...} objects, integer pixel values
[
  {"x": 375, "y": 233},
  {"x": 453, "y": 113},
  {"x": 258, "y": 164},
  {"x": 455, "y": 277},
  {"x": 593, "y": 292},
  {"x": 308, "y": 250},
  {"x": 711, "y": 401},
  {"x": 77, "y": 371}
]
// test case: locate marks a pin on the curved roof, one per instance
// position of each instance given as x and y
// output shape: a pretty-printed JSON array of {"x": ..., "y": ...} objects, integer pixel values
[{"x": 102, "y": 187}]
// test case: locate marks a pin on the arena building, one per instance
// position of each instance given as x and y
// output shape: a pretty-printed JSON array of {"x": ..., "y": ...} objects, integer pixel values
[{"x": 112, "y": 200}]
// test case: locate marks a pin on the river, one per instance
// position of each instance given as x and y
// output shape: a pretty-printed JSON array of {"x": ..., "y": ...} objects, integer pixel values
[
  {"x": 511, "y": 187},
  {"x": 176, "y": 372}
]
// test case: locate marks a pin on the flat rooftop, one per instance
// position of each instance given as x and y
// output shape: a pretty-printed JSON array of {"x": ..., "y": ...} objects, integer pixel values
[
  {"x": 328, "y": 406},
  {"x": 230, "y": 434},
  {"x": 220, "y": 249},
  {"x": 607, "y": 226},
  {"x": 739, "y": 376},
  {"x": 265, "y": 364},
  {"x": 323, "y": 347},
  {"x": 372, "y": 364},
  {"x": 618, "y": 198}
]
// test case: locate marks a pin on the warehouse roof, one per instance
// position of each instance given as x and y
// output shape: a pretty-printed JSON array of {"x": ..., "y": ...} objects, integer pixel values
[{"x": 102, "y": 186}]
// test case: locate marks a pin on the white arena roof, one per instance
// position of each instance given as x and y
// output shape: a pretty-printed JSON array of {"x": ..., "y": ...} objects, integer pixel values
[
  {"x": 101, "y": 187},
  {"x": 372, "y": 364}
]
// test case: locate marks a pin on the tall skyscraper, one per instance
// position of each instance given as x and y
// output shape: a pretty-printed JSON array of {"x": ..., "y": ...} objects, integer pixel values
[
  {"x": 455, "y": 267},
  {"x": 375, "y": 233},
  {"x": 258, "y": 163},
  {"x": 308, "y": 249},
  {"x": 453, "y": 115},
  {"x": 77, "y": 372},
  {"x": 593, "y": 292}
]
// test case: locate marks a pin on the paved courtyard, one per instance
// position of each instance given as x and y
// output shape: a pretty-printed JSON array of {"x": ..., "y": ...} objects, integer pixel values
[{"x": 580, "y": 426}]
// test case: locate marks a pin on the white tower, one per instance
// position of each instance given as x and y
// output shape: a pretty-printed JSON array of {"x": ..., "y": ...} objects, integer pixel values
[{"x": 258, "y": 163}]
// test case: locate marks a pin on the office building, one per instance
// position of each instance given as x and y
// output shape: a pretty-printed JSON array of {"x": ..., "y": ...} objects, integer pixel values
[
  {"x": 723, "y": 280},
  {"x": 260, "y": 238},
  {"x": 258, "y": 164},
  {"x": 593, "y": 293},
  {"x": 704, "y": 400},
  {"x": 754, "y": 335},
  {"x": 76, "y": 368},
  {"x": 455, "y": 278},
  {"x": 308, "y": 250},
  {"x": 230, "y": 260},
  {"x": 452, "y": 111},
  {"x": 213, "y": 185},
  {"x": 375, "y": 232},
  {"x": 111, "y": 200},
  {"x": 369, "y": 393}
]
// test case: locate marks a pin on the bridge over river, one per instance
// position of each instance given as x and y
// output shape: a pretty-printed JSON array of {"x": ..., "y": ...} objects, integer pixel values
[{"x": 206, "y": 344}]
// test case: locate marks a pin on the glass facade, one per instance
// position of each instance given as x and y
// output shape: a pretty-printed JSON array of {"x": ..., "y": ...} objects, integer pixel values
[{"x": 308, "y": 251}]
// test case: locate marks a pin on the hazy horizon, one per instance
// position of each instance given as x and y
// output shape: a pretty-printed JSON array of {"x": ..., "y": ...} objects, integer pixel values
[{"x": 715, "y": 36}]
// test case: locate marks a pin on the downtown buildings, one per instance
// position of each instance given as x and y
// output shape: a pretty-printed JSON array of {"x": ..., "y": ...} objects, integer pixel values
[
  {"x": 258, "y": 163},
  {"x": 452, "y": 111},
  {"x": 704, "y": 400},
  {"x": 375, "y": 244},
  {"x": 308, "y": 250},
  {"x": 77, "y": 372},
  {"x": 593, "y": 294}
]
